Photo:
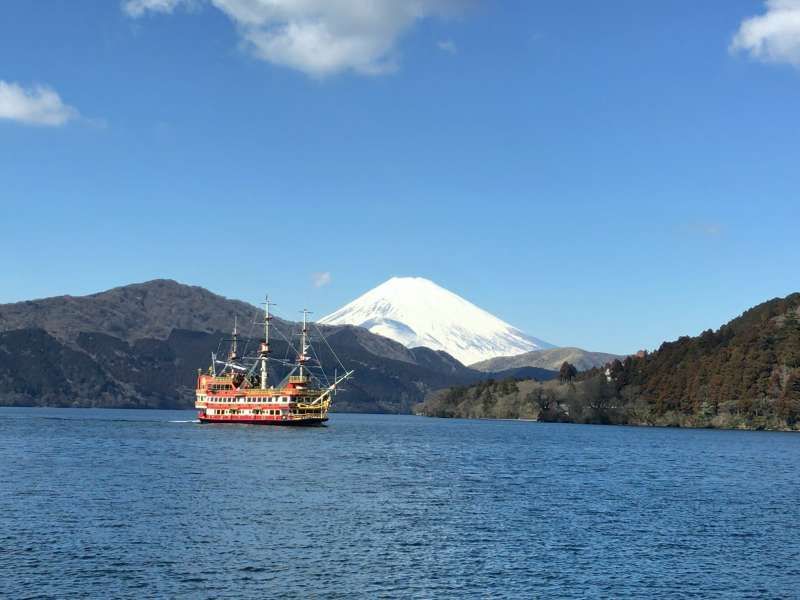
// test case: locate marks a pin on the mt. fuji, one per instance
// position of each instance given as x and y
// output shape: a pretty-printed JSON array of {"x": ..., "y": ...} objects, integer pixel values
[{"x": 417, "y": 312}]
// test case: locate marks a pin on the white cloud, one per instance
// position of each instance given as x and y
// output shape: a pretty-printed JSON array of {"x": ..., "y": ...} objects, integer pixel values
[
  {"x": 773, "y": 36},
  {"x": 137, "y": 8},
  {"x": 319, "y": 37},
  {"x": 37, "y": 105},
  {"x": 321, "y": 279},
  {"x": 448, "y": 46}
]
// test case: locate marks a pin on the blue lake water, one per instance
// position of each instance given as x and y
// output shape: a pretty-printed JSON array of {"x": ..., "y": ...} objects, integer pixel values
[{"x": 142, "y": 504}]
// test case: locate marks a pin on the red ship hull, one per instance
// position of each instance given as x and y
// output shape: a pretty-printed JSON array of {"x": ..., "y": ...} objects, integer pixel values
[{"x": 308, "y": 422}]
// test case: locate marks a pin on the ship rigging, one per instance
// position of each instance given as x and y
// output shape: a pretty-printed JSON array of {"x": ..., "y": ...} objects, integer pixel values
[{"x": 238, "y": 390}]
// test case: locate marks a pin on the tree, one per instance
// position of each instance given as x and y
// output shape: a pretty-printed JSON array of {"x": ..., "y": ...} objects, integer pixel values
[
  {"x": 540, "y": 399},
  {"x": 567, "y": 372},
  {"x": 616, "y": 369},
  {"x": 788, "y": 406}
]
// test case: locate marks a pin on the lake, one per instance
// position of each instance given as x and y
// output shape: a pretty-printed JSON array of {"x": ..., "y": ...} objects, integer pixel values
[{"x": 135, "y": 504}]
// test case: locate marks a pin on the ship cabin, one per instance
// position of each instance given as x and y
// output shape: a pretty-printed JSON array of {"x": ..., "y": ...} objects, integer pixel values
[{"x": 229, "y": 398}]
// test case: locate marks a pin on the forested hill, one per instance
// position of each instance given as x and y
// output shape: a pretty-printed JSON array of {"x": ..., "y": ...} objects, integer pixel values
[
  {"x": 749, "y": 368},
  {"x": 746, "y": 374}
]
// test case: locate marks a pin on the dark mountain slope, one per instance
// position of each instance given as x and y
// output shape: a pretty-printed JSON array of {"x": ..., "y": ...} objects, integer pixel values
[
  {"x": 35, "y": 368},
  {"x": 142, "y": 310}
]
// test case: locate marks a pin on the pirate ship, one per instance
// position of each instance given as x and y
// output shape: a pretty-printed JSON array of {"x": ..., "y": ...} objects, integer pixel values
[{"x": 238, "y": 390}]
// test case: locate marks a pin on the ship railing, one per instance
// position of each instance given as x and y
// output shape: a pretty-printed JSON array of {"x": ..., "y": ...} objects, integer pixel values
[{"x": 264, "y": 417}]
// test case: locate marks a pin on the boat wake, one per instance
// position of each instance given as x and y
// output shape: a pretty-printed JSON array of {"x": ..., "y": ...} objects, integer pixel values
[{"x": 188, "y": 421}]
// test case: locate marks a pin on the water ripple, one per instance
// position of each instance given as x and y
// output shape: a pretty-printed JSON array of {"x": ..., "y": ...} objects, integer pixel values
[{"x": 132, "y": 504}]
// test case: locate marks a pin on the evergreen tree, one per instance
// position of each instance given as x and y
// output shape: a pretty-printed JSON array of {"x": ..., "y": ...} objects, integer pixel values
[
  {"x": 567, "y": 372},
  {"x": 788, "y": 407}
]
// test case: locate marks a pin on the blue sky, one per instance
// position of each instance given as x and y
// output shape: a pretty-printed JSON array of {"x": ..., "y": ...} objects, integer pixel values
[{"x": 607, "y": 175}]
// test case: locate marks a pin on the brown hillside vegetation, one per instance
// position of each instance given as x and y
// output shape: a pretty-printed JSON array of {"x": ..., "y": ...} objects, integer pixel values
[{"x": 744, "y": 375}]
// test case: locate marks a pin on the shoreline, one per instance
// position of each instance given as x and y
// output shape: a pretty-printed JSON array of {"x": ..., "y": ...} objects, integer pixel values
[
  {"x": 520, "y": 420},
  {"x": 638, "y": 425}
]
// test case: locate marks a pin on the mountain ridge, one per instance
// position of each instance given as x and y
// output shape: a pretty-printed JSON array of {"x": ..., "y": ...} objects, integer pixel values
[
  {"x": 551, "y": 358},
  {"x": 138, "y": 310}
]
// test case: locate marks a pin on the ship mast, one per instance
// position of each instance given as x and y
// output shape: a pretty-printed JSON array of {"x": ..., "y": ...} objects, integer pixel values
[
  {"x": 265, "y": 345},
  {"x": 303, "y": 358},
  {"x": 233, "y": 355}
]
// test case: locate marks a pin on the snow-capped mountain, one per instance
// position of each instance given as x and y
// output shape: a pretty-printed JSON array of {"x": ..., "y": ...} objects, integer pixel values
[{"x": 417, "y": 312}]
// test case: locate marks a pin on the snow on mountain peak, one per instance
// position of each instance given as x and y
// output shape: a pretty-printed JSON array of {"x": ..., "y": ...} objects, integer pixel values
[{"x": 416, "y": 312}]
